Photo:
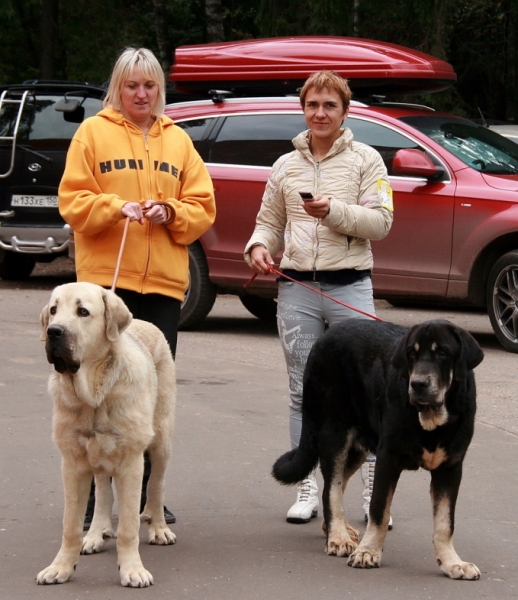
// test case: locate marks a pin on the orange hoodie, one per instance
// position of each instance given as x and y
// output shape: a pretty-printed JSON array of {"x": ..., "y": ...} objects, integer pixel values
[{"x": 111, "y": 162}]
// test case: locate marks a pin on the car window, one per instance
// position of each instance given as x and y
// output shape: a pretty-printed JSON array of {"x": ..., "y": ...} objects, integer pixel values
[
  {"x": 384, "y": 139},
  {"x": 256, "y": 140},
  {"x": 476, "y": 146},
  {"x": 196, "y": 128},
  {"x": 41, "y": 126}
]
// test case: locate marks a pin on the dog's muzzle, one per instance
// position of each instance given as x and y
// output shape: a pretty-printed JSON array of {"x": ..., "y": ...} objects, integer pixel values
[
  {"x": 424, "y": 392},
  {"x": 58, "y": 350}
]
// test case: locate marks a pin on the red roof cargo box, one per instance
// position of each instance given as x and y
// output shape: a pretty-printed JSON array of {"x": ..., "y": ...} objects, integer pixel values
[{"x": 281, "y": 65}]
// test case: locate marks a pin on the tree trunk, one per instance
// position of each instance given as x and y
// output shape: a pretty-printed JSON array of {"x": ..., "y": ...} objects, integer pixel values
[
  {"x": 164, "y": 46},
  {"x": 49, "y": 13},
  {"x": 214, "y": 14},
  {"x": 511, "y": 59},
  {"x": 438, "y": 42},
  {"x": 356, "y": 18}
]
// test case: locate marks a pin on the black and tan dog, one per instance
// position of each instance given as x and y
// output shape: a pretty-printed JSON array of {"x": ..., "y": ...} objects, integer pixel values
[{"x": 406, "y": 395}]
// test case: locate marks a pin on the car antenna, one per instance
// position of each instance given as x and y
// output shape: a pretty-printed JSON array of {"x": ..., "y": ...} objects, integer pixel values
[{"x": 484, "y": 122}]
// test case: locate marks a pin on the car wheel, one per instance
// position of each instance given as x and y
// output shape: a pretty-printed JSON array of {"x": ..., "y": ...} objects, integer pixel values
[
  {"x": 502, "y": 300},
  {"x": 15, "y": 265},
  {"x": 201, "y": 295},
  {"x": 262, "y": 308}
]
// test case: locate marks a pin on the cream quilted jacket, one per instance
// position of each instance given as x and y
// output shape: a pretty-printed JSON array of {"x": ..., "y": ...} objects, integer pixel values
[{"x": 354, "y": 176}]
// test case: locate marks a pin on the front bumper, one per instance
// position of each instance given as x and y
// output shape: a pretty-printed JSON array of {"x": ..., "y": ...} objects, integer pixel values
[{"x": 35, "y": 240}]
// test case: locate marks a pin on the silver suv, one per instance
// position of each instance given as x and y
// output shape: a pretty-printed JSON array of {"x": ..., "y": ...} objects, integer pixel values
[{"x": 37, "y": 121}]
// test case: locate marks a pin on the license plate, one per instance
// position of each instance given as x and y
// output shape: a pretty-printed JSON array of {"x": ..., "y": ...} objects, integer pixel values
[{"x": 34, "y": 201}]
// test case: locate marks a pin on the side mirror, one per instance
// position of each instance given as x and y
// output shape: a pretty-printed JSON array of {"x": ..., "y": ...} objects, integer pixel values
[
  {"x": 67, "y": 105},
  {"x": 415, "y": 163},
  {"x": 76, "y": 116},
  {"x": 72, "y": 109}
]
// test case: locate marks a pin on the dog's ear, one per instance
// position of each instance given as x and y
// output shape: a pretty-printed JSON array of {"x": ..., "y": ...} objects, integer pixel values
[
  {"x": 116, "y": 314},
  {"x": 44, "y": 322},
  {"x": 471, "y": 354},
  {"x": 399, "y": 359}
]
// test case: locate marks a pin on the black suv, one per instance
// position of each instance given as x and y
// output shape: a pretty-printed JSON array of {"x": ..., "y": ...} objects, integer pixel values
[{"x": 37, "y": 121}]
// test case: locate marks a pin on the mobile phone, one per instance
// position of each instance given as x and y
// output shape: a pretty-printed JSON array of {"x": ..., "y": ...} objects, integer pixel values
[{"x": 306, "y": 196}]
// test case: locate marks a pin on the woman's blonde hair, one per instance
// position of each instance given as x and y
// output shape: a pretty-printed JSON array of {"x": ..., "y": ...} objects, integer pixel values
[
  {"x": 329, "y": 80},
  {"x": 148, "y": 65}
]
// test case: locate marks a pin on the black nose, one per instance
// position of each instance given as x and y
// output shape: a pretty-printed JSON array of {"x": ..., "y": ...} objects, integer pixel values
[
  {"x": 55, "y": 331},
  {"x": 420, "y": 384}
]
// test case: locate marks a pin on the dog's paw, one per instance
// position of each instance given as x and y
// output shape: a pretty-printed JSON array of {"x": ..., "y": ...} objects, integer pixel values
[
  {"x": 93, "y": 541},
  {"x": 340, "y": 547},
  {"x": 55, "y": 573},
  {"x": 161, "y": 536},
  {"x": 354, "y": 533},
  {"x": 365, "y": 559},
  {"x": 92, "y": 546},
  {"x": 137, "y": 577},
  {"x": 462, "y": 570}
]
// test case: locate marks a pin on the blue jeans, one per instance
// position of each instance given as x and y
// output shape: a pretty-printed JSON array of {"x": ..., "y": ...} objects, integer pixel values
[{"x": 302, "y": 317}]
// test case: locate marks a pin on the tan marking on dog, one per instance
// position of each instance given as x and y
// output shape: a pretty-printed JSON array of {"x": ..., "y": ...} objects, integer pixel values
[
  {"x": 368, "y": 553},
  {"x": 449, "y": 561},
  {"x": 432, "y": 460},
  {"x": 342, "y": 539},
  {"x": 431, "y": 419}
]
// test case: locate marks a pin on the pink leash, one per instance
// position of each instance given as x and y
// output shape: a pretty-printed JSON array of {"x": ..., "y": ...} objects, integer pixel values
[
  {"x": 170, "y": 216},
  {"x": 277, "y": 272},
  {"x": 119, "y": 258}
]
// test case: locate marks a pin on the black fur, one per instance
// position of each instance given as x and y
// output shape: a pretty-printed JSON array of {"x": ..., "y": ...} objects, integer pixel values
[{"x": 408, "y": 396}]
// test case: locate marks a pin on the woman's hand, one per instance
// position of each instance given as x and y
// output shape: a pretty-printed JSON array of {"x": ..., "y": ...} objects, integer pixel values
[
  {"x": 156, "y": 213},
  {"x": 318, "y": 207},
  {"x": 133, "y": 210},
  {"x": 260, "y": 259}
]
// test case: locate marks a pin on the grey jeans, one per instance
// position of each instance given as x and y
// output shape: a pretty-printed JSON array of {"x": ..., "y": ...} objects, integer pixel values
[{"x": 302, "y": 316}]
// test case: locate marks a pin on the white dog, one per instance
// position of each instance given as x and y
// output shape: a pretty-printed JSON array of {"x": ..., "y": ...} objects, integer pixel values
[{"x": 114, "y": 392}]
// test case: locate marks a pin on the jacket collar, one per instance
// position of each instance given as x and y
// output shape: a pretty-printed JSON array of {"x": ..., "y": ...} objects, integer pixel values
[{"x": 301, "y": 142}]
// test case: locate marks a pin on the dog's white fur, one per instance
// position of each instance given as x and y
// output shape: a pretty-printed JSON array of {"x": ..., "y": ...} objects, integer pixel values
[{"x": 119, "y": 403}]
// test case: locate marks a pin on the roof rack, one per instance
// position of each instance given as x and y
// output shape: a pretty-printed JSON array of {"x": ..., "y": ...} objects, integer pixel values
[
  {"x": 55, "y": 85},
  {"x": 219, "y": 96},
  {"x": 377, "y": 99}
]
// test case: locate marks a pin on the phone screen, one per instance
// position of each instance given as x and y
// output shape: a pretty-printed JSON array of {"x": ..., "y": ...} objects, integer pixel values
[{"x": 306, "y": 196}]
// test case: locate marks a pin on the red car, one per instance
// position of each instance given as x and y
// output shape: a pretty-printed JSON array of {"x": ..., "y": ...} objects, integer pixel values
[{"x": 455, "y": 232}]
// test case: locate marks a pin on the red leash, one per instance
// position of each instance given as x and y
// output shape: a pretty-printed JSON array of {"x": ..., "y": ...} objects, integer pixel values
[{"x": 277, "y": 272}]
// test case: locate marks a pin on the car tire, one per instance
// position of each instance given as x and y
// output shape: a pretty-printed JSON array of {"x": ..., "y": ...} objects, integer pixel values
[
  {"x": 502, "y": 300},
  {"x": 201, "y": 294},
  {"x": 16, "y": 266},
  {"x": 397, "y": 303},
  {"x": 262, "y": 308}
]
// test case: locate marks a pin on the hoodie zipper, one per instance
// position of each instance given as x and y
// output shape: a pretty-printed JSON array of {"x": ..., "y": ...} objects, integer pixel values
[
  {"x": 150, "y": 225},
  {"x": 317, "y": 172}
]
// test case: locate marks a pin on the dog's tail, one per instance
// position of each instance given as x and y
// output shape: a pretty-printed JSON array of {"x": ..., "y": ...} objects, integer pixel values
[{"x": 296, "y": 465}]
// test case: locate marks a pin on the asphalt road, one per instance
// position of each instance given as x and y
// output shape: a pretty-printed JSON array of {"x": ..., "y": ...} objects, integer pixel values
[{"x": 231, "y": 424}]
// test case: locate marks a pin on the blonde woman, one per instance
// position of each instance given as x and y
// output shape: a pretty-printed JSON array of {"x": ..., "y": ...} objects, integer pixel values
[{"x": 121, "y": 163}]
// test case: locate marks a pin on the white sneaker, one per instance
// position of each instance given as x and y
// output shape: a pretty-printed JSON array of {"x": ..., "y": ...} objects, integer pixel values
[
  {"x": 306, "y": 506},
  {"x": 367, "y": 473}
]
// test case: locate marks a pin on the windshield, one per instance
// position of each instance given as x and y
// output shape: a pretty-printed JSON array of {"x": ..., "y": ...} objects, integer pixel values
[
  {"x": 475, "y": 145},
  {"x": 41, "y": 125}
]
